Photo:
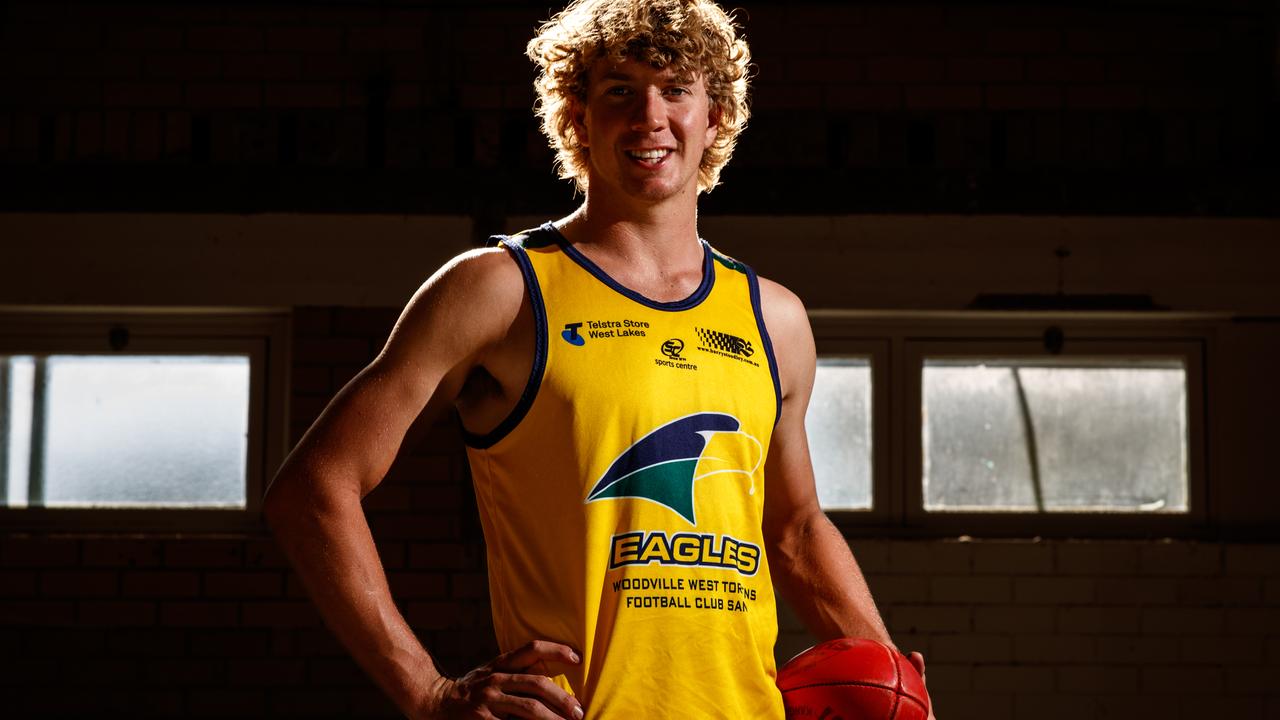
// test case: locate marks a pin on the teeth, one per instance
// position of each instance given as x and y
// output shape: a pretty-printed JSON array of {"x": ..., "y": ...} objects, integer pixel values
[{"x": 648, "y": 154}]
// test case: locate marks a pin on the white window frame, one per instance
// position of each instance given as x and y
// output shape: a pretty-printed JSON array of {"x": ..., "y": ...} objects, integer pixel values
[
  {"x": 898, "y": 342},
  {"x": 261, "y": 334}
]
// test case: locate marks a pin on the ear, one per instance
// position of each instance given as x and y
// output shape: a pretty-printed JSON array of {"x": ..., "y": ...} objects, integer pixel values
[
  {"x": 714, "y": 113},
  {"x": 578, "y": 117}
]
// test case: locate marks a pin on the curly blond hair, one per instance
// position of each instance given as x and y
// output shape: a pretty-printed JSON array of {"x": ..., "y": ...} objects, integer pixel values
[{"x": 693, "y": 37}]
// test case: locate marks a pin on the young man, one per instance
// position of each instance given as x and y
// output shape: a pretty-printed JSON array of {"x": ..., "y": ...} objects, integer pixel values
[{"x": 636, "y": 443}]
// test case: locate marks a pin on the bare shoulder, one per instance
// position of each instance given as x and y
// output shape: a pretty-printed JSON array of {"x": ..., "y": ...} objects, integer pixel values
[
  {"x": 472, "y": 300},
  {"x": 788, "y": 324},
  {"x": 784, "y": 312}
]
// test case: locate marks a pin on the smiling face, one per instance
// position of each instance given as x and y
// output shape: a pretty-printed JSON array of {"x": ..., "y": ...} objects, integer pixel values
[{"x": 644, "y": 130}]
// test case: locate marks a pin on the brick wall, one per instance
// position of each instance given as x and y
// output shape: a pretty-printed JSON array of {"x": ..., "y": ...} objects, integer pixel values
[
  {"x": 869, "y": 106},
  {"x": 218, "y": 626},
  {"x": 1082, "y": 629}
]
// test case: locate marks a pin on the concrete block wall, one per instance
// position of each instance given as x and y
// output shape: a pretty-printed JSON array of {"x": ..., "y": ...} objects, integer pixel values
[
  {"x": 1081, "y": 628},
  {"x": 217, "y": 626},
  {"x": 871, "y": 106}
]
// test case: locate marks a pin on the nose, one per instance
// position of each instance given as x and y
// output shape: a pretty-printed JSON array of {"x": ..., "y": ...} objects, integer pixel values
[{"x": 650, "y": 111}]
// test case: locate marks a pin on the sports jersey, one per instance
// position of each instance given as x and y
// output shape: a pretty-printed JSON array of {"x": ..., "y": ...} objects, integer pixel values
[{"x": 622, "y": 498}]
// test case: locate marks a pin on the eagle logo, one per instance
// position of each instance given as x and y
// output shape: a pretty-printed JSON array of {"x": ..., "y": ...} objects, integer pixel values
[{"x": 663, "y": 466}]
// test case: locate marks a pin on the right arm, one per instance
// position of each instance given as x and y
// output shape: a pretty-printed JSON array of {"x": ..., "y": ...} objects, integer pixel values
[{"x": 458, "y": 317}]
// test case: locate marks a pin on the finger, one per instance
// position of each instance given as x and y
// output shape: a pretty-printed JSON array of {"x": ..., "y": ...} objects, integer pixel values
[
  {"x": 917, "y": 661},
  {"x": 534, "y": 652},
  {"x": 543, "y": 689},
  {"x": 514, "y": 706}
]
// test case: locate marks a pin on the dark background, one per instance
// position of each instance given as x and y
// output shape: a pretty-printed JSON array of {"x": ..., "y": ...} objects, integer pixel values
[{"x": 326, "y": 157}]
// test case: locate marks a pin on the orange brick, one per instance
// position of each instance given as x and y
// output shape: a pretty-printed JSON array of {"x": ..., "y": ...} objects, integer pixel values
[
  {"x": 1020, "y": 558},
  {"x": 1180, "y": 559},
  {"x": 1046, "y": 590},
  {"x": 303, "y": 95},
  {"x": 144, "y": 583},
  {"x": 145, "y": 38},
  {"x": 1221, "y": 591},
  {"x": 971, "y": 590},
  {"x": 227, "y": 38},
  {"x": 973, "y": 648},
  {"x": 304, "y": 39},
  {"x": 931, "y": 618},
  {"x": 1012, "y": 678},
  {"x": 199, "y": 614},
  {"x": 223, "y": 95},
  {"x": 1182, "y": 621},
  {"x": 892, "y": 589},
  {"x": 1007, "y": 619},
  {"x": 1182, "y": 680},
  {"x": 1099, "y": 620},
  {"x": 38, "y": 552},
  {"x": 243, "y": 584},
  {"x": 406, "y": 585},
  {"x": 1147, "y": 591},
  {"x": 1023, "y": 97},
  {"x": 279, "y": 614},
  {"x": 930, "y": 557},
  {"x": 204, "y": 553},
  {"x": 1224, "y": 650},
  {"x": 905, "y": 69},
  {"x": 1254, "y": 559},
  {"x": 116, "y": 612},
  {"x": 272, "y": 672},
  {"x": 1101, "y": 679},
  {"x": 1137, "y": 651},
  {"x": 79, "y": 583},
  {"x": 1096, "y": 558},
  {"x": 948, "y": 97},
  {"x": 1253, "y": 621},
  {"x": 1054, "y": 649}
]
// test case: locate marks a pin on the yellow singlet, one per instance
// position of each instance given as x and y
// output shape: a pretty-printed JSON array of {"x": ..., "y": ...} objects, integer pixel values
[{"x": 622, "y": 498}]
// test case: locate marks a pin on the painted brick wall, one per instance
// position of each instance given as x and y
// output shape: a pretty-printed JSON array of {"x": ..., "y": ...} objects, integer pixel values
[{"x": 218, "y": 626}]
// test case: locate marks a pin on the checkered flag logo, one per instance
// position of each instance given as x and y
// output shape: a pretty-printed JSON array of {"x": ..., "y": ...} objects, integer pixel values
[{"x": 725, "y": 342}]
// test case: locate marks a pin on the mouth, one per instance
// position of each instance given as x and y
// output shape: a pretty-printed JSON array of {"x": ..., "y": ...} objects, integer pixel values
[{"x": 649, "y": 157}]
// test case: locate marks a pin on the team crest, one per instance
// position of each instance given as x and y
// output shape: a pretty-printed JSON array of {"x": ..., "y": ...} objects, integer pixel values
[{"x": 663, "y": 466}]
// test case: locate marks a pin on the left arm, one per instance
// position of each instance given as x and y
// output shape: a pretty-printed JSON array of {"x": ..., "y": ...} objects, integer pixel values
[{"x": 812, "y": 566}]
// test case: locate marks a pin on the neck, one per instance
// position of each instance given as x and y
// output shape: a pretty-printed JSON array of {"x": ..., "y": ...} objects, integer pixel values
[{"x": 626, "y": 228}]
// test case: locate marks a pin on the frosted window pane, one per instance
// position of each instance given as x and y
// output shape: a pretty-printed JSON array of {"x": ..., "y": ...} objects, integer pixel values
[
  {"x": 146, "y": 431},
  {"x": 21, "y": 376},
  {"x": 839, "y": 427},
  {"x": 1016, "y": 436}
]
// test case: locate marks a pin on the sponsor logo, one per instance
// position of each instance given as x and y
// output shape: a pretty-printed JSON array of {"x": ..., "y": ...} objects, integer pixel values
[
  {"x": 663, "y": 466},
  {"x": 725, "y": 345},
  {"x": 725, "y": 342},
  {"x": 571, "y": 336},
  {"x": 672, "y": 348}
]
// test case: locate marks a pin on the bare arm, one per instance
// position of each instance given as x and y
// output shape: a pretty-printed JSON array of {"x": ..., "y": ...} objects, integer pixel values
[
  {"x": 810, "y": 561},
  {"x": 809, "y": 558},
  {"x": 313, "y": 506}
]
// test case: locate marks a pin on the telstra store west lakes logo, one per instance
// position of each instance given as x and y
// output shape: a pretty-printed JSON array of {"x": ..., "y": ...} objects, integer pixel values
[
  {"x": 663, "y": 466},
  {"x": 571, "y": 336}
]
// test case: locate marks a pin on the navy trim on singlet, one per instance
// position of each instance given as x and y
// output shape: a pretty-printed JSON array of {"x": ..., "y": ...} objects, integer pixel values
[
  {"x": 517, "y": 413},
  {"x": 699, "y": 294},
  {"x": 754, "y": 283}
]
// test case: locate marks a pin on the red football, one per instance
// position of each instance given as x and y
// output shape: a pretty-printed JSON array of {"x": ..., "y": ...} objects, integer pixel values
[{"x": 852, "y": 679}]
